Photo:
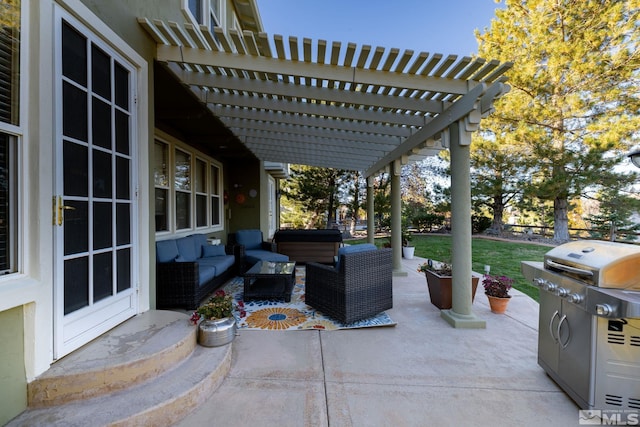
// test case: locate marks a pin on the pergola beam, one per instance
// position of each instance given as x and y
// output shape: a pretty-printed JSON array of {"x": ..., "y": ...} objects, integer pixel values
[{"x": 308, "y": 70}]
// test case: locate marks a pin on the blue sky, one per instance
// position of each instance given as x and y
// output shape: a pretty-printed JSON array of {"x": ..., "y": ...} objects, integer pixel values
[{"x": 434, "y": 26}]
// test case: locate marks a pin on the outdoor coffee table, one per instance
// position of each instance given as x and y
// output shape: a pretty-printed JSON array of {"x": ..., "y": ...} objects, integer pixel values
[{"x": 268, "y": 279}]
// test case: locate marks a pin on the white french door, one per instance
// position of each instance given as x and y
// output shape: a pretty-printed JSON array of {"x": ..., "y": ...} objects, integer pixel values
[{"x": 94, "y": 207}]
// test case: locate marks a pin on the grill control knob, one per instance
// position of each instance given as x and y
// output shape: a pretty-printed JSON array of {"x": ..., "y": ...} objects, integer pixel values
[
  {"x": 575, "y": 298},
  {"x": 562, "y": 292},
  {"x": 551, "y": 287},
  {"x": 603, "y": 309},
  {"x": 540, "y": 282}
]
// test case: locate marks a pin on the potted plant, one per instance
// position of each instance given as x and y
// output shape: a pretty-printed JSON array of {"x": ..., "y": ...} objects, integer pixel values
[
  {"x": 217, "y": 325},
  {"x": 407, "y": 250},
  {"x": 439, "y": 282},
  {"x": 497, "y": 290}
]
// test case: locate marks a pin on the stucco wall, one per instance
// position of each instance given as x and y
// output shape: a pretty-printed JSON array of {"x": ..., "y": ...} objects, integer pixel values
[{"x": 13, "y": 383}]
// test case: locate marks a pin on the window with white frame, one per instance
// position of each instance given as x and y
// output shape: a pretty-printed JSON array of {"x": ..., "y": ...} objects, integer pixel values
[
  {"x": 188, "y": 188},
  {"x": 205, "y": 12},
  {"x": 10, "y": 132},
  {"x": 182, "y": 186},
  {"x": 161, "y": 178}
]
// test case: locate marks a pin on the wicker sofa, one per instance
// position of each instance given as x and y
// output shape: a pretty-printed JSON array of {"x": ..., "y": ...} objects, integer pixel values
[
  {"x": 188, "y": 269},
  {"x": 358, "y": 287},
  {"x": 304, "y": 246}
]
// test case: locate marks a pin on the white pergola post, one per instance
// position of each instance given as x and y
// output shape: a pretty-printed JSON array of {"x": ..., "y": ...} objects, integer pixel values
[
  {"x": 396, "y": 218},
  {"x": 461, "y": 314},
  {"x": 371, "y": 224}
]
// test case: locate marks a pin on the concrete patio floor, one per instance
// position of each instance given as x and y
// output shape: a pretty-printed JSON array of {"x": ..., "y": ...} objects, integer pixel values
[{"x": 421, "y": 372}]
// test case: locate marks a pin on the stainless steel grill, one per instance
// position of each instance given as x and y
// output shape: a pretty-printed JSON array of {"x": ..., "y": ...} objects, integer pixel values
[{"x": 589, "y": 322}]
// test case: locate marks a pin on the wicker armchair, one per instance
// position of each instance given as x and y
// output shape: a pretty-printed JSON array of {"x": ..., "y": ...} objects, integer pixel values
[
  {"x": 250, "y": 248},
  {"x": 359, "y": 287}
]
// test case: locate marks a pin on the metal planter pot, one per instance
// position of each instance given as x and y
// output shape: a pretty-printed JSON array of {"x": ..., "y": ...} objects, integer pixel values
[{"x": 218, "y": 332}]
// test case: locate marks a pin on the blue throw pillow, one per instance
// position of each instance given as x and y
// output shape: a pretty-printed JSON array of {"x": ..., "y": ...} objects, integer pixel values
[{"x": 212, "y": 250}]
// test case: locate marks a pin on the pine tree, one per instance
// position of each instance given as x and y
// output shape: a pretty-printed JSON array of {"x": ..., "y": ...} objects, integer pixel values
[{"x": 573, "y": 107}]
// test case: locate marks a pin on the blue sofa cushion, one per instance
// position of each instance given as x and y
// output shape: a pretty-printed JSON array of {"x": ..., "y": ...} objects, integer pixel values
[
  {"x": 199, "y": 241},
  {"x": 166, "y": 251},
  {"x": 206, "y": 270},
  {"x": 219, "y": 264},
  {"x": 187, "y": 248},
  {"x": 365, "y": 247},
  {"x": 255, "y": 255},
  {"x": 251, "y": 239},
  {"x": 213, "y": 250}
]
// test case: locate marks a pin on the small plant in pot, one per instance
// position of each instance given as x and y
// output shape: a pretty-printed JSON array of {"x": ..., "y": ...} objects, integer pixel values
[
  {"x": 497, "y": 290},
  {"x": 218, "y": 326}
]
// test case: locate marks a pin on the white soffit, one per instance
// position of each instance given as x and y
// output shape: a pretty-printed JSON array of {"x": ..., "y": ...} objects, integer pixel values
[{"x": 328, "y": 105}]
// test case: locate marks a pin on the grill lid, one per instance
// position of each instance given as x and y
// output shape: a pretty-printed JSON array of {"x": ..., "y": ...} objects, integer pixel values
[{"x": 598, "y": 263}]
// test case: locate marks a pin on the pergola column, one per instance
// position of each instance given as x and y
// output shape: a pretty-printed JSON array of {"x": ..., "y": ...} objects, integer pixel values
[
  {"x": 396, "y": 218},
  {"x": 371, "y": 220},
  {"x": 461, "y": 314}
]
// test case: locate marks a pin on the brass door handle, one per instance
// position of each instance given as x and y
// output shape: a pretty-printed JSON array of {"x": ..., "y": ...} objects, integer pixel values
[{"x": 61, "y": 209}]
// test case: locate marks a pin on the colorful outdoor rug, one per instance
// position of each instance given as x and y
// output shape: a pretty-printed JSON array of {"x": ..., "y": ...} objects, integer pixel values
[{"x": 294, "y": 315}]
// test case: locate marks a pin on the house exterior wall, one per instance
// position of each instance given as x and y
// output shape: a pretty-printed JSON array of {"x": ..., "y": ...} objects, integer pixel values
[{"x": 26, "y": 297}]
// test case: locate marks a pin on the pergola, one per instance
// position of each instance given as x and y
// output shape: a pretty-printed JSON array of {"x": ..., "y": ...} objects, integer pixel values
[{"x": 345, "y": 107}]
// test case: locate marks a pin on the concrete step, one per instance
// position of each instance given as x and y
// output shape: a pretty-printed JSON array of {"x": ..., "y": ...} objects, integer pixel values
[
  {"x": 140, "y": 348},
  {"x": 147, "y": 371}
]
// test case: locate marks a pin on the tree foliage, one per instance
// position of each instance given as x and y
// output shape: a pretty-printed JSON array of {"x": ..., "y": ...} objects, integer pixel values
[
  {"x": 573, "y": 107},
  {"x": 315, "y": 191}
]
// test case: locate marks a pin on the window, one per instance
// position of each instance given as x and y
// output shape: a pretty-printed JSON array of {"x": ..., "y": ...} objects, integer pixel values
[
  {"x": 216, "y": 200},
  {"x": 205, "y": 12},
  {"x": 182, "y": 184},
  {"x": 161, "y": 178},
  {"x": 201, "y": 193},
  {"x": 10, "y": 61},
  {"x": 188, "y": 189},
  {"x": 9, "y": 132}
]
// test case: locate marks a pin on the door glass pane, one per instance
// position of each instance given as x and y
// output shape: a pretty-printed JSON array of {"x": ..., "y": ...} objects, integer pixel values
[
  {"x": 74, "y": 112},
  {"x": 74, "y": 55},
  {"x": 201, "y": 210},
  {"x": 102, "y": 225},
  {"x": 76, "y": 227},
  {"x": 76, "y": 277},
  {"x": 101, "y": 124},
  {"x": 100, "y": 72},
  {"x": 75, "y": 169},
  {"x": 123, "y": 259},
  {"x": 102, "y": 174},
  {"x": 102, "y": 276},
  {"x": 123, "y": 224},
  {"x": 122, "y": 132},
  {"x": 122, "y": 86},
  {"x": 122, "y": 178},
  {"x": 161, "y": 209}
]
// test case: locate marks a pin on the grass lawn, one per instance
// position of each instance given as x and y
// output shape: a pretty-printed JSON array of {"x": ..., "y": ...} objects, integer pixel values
[{"x": 503, "y": 256}]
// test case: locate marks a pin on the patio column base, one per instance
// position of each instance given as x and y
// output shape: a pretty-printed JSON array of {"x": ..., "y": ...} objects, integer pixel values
[{"x": 466, "y": 321}]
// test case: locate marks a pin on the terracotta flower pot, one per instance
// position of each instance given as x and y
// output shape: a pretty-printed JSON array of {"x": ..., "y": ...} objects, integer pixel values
[
  {"x": 440, "y": 289},
  {"x": 498, "y": 305}
]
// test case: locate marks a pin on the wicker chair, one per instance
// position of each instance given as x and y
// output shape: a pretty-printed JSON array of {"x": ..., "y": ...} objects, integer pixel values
[{"x": 359, "y": 287}]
